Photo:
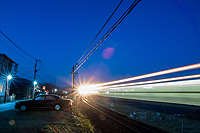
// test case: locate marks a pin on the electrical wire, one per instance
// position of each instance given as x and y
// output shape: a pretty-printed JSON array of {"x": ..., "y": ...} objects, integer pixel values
[
  {"x": 26, "y": 75},
  {"x": 24, "y": 67},
  {"x": 47, "y": 74},
  {"x": 45, "y": 71},
  {"x": 108, "y": 33},
  {"x": 10, "y": 48},
  {"x": 100, "y": 30},
  {"x": 17, "y": 46}
]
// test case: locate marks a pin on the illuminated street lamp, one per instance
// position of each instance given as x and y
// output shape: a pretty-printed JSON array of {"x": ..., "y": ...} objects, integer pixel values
[
  {"x": 55, "y": 90},
  {"x": 34, "y": 83},
  {"x": 6, "y": 87},
  {"x": 9, "y": 77}
]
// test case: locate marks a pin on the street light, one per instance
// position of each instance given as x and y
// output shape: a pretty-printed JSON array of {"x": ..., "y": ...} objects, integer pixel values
[
  {"x": 9, "y": 77},
  {"x": 34, "y": 83},
  {"x": 6, "y": 87}
]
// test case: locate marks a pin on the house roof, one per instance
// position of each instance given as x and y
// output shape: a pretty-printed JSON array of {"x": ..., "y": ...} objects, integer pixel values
[{"x": 7, "y": 57}]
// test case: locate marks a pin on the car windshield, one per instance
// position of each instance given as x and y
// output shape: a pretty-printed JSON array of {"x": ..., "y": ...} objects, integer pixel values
[{"x": 40, "y": 98}]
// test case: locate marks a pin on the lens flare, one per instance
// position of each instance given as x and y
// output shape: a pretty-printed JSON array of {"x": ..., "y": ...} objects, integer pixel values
[
  {"x": 108, "y": 52},
  {"x": 87, "y": 89}
]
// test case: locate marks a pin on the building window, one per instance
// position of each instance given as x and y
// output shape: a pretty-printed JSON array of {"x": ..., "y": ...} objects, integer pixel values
[
  {"x": 1, "y": 88},
  {"x": 4, "y": 64},
  {"x": 10, "y": 67}
]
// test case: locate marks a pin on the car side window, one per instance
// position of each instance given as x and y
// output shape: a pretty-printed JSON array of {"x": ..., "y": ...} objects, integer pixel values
[
  {"x": 40, "y": 98},
  {"x": 50, "y": 98}
]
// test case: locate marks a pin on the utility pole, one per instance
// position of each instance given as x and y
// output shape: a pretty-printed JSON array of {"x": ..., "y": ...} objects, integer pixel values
[
  {"x": 35, "y": 71},
  {"x": 55, "y": 86},
  {"x": 73, "y": 76}
]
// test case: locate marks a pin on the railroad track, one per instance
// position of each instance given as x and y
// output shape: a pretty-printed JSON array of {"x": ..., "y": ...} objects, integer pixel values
[{"x": 135, "y": 126}]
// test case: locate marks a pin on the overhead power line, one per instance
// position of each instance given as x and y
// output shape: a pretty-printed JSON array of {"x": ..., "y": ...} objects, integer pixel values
[
  {"x": 17, "y": 46},
  {"x": 45, "y": 71},
  {"x": 107, "y": 34},
  {"x": 11, "y": 49},
  {"x": 25, "y": 74},
  {"x": 100, "y": 30},
  {"x": 24, "y": 69}
]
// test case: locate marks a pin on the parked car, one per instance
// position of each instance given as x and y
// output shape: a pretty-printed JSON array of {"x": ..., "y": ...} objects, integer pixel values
[
  {"x": 44, "y": 101},
  {"x": 40, "y": 93}
]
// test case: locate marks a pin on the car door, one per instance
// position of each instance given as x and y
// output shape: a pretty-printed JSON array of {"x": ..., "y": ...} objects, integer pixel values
[
  {"x": 38, "y": 102},
  {"x": 49, "y": 101}
]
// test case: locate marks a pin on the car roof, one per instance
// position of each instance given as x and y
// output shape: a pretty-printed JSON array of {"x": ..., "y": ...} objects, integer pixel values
[{"x": 54, "y": 95}]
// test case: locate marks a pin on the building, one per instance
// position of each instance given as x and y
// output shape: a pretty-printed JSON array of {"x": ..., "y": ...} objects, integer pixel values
[{"x": 7, "y": 67}]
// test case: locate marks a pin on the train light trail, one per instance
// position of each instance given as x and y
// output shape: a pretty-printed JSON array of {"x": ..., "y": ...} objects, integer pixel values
[
  {"x": 153, "y": 74},
  {"x": 87, "y": 89},
  {"x": 152, "y": 81},
  {"x": 179, "y": 92}
]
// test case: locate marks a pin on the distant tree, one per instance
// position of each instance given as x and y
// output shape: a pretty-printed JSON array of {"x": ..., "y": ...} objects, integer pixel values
[{"x": 21, "y": 87}]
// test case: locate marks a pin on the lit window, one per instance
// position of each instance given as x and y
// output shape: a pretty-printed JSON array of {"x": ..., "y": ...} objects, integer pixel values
[{"x": 1, "y": 88}]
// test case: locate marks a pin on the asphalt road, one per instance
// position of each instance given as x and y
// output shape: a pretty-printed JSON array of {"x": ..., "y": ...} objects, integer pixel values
[{"x": 32, "y": 121}]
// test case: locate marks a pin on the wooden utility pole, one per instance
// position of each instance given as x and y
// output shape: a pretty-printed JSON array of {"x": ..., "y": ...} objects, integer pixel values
[
  {"x": 54, "y": 87},
  {"x": 35, "y": 71},
  {"x": 73, "y": 76}
]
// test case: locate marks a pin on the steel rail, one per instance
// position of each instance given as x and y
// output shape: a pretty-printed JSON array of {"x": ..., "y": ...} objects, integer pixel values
[{"x": 103, "y": 110}]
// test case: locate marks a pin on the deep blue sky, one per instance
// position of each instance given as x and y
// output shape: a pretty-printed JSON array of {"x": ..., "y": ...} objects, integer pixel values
[{"x": 156, "y": 35}]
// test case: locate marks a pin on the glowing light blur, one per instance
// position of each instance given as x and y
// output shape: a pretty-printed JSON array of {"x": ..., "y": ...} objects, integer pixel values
[
  {"x": 153, "y": 81},
  {"x": 35, "y": 82},
  {"x": 181, "y": 92},
  {"x": 9, "y": 77},
  {"x": 153, "y": 74},
  {"x": 186, "y": 83},
  {"x": 87, "y": 89}
]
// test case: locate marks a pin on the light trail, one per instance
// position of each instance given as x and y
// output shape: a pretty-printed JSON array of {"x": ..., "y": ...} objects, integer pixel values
[
  {"x": 188, "y": 85},
  {"x": 153, "y": 81},
  {"x": 85, "y": 89},
  {"x": 179, "y": 92},
  {"x": 153, "y": 74}
]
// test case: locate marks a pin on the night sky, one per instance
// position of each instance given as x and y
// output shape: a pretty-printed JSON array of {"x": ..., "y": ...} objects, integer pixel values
[{"x": 157, "y": 35}]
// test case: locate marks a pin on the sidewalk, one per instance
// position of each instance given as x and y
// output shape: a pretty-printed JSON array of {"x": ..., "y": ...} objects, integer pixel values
[{"x": 8, "y": 105}]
